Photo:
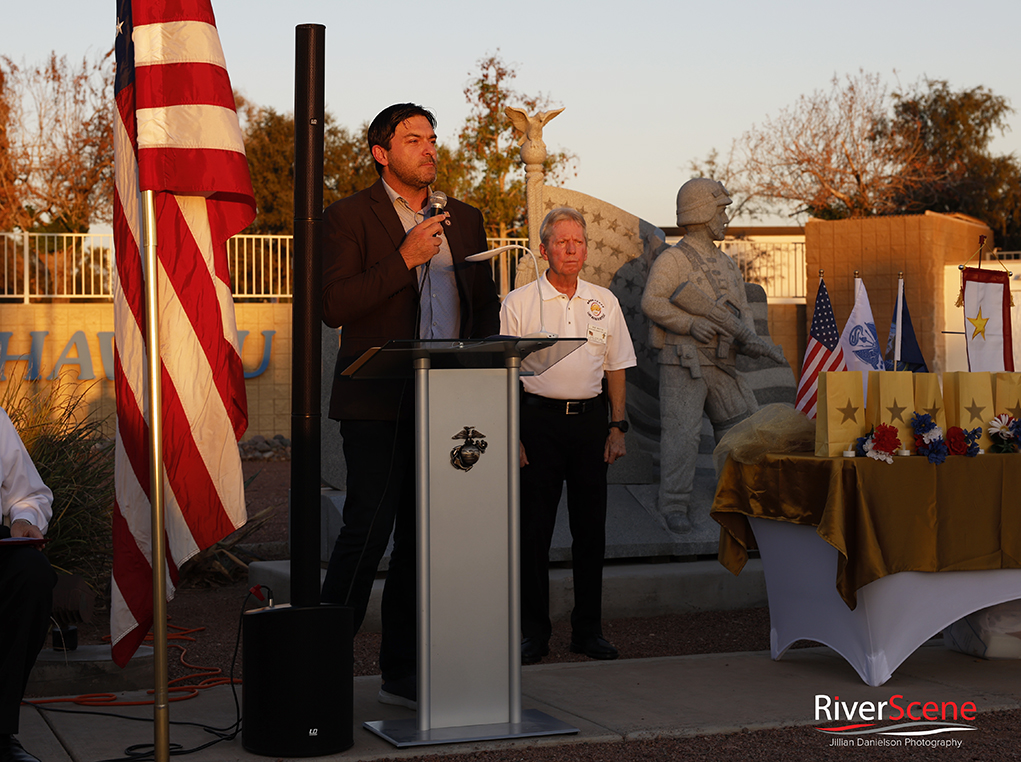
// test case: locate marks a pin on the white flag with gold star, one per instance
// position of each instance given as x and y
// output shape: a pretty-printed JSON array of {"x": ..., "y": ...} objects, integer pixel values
[{"x": 987, "y": 319}]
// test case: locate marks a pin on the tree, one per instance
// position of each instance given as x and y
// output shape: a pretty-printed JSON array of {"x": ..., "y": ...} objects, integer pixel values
[
  {"x": 485, "y": 170},
  {"x": 269, "y": 144},
  {"x": 9, "y": 199},
  {"x": 859, "y": 150},
  {"x": 56, "y": 148},
  {"x": 727, "y": 170},
  {"x": 956, "y": 130},
  {"x": 347, "y": 165},
  {"x": 833, "y": 153}
]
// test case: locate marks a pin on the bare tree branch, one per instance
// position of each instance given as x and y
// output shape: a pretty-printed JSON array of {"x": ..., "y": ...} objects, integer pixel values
[
  {"x": 56, "y": 144},
  {"x": 833, "y": 153}
]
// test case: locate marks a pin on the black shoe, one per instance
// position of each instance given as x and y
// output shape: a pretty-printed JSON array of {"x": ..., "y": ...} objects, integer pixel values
[
  {"x": 401, "y": 692},
  {"x": 594, "y": 647},
  {"x": 11, "y": 750},
  {"x": 533, "y": 649}
]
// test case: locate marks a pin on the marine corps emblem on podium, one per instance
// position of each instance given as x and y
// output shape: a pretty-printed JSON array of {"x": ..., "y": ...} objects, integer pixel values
[{"x": 466, "y": 455}]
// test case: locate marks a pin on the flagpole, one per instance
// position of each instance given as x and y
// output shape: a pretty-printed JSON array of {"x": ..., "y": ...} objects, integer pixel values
[
  {"x": 161, "y": 703},
  {"x": 900, "y": 320}
]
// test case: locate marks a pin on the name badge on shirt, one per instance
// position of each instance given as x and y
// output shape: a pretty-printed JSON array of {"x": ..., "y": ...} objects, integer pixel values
[{"x": 596, "y": 334}]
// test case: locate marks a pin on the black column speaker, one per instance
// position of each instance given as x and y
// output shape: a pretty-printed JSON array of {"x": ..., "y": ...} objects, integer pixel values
[{"x": 307, "y": 315}]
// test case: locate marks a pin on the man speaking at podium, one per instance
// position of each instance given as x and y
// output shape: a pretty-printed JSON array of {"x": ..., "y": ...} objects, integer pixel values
[
  {"x": 569, "y": 432},
  {"x": 394, "y": 268}
]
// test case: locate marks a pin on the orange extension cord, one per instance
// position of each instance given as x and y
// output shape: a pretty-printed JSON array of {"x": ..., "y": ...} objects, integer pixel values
[{"x": 212, "y": 677}]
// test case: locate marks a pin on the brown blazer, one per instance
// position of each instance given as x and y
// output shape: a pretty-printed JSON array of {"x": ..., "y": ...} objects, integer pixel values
[{"x": 371, "y": 293}]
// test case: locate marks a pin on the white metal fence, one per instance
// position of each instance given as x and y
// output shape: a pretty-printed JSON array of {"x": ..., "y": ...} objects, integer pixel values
[
  {"x": 261, "y": 266},
  {"x": 77, "y": 266},
  {"x": 47, "y": 265},
  {"x": 778, "y": 267}
]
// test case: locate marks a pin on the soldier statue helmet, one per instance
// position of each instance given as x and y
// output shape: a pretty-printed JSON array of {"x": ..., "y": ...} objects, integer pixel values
[{"x": 698, "y": 199}]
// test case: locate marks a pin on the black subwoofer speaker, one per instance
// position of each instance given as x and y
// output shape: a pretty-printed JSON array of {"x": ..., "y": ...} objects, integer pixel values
[{"x": 298, "y": 686}]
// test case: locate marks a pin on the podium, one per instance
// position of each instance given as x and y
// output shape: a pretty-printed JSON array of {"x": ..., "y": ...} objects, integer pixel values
[{"x": 467, "y": 401}]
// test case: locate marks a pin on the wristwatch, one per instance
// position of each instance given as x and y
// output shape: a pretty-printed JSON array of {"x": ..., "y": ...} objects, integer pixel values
[{"x": 622, "y": 425}]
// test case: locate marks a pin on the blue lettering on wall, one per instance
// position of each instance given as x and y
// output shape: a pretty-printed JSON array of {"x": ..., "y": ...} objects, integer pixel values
[
  {"x": 83, "y": 355},
  {"x": 34, "y": 356},
  {"x": 267, "y": 349},
  {"x": 83, "y": 361}
]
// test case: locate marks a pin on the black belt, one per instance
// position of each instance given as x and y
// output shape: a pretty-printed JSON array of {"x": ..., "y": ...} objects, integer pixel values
[{"x": 567, "y": 407}]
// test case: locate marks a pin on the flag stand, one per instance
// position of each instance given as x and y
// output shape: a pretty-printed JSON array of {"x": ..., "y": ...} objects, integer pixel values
[{"x": 161, "y": 703}]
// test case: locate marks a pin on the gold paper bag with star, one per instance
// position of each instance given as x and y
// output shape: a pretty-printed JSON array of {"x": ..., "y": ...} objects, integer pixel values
[
  {"x": 929, "y": 398},
  {"x": 840, "y": 413},
  {"x": 1007, "y": 394},
  {"x": 969, "y": 401},
  {"x": 892, "y": 401}
]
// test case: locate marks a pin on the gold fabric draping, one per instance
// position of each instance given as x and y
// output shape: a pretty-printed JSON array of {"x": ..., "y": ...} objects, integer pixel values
[{"x": 911, "y": 515}]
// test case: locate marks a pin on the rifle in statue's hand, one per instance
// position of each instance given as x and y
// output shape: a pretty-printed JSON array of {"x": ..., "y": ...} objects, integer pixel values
[{"x": 726, "y": 316}]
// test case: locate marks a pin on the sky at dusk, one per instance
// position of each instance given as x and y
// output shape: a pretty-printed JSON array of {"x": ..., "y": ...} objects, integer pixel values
[{"x": 647, "y": 86}]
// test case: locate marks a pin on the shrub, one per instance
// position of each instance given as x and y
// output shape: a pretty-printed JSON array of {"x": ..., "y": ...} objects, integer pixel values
[{"x": 76, "y": 461}]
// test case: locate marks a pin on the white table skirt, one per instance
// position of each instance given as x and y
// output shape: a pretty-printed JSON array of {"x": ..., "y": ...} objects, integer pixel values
[{"x": 894, "y": 616}]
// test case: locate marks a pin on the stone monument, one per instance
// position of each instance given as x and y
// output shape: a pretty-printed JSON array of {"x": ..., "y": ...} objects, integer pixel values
[
  {"x": 701, "y": 320},
  {"x": 622, "y": 252}
]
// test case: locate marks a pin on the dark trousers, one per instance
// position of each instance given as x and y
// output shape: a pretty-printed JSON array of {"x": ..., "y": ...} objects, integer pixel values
[
  {"x": 380, "y": 458},
  {"x": 26, "y": 599},
  {"x": 563, "y": 448}
]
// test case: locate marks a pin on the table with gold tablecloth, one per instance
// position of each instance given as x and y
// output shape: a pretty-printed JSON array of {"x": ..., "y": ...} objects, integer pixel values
[{"x": 873, "y": 527}]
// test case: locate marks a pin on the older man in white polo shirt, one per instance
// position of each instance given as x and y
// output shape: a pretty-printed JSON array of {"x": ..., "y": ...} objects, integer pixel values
[{"x": 571, "y": 430}]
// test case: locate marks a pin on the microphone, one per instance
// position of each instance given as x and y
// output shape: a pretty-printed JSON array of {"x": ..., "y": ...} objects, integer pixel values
[
  {"x": 437, "y": 200},
  {"x": 482, "y": 256}
]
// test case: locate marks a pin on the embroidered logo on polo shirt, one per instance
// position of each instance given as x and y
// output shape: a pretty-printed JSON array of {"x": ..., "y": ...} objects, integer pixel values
[{"x": 596, "y": 310}]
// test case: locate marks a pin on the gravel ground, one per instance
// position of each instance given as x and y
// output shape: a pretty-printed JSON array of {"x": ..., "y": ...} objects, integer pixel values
[{"x": 209, "y": 619}]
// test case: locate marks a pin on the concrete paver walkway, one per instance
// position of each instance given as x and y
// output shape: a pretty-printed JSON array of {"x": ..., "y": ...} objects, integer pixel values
[{"x": 606, "y": 701}]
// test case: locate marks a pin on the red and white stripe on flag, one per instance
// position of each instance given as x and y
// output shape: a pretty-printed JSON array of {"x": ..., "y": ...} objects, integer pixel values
[
  {"x": 987, "y": 321},
  {"x": 177, "y": 134},
  {"x": 818, "y": 360},
  {"x": 823, "y": 353}
]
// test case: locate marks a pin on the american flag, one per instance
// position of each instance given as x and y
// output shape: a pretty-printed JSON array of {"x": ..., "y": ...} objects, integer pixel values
[
  {"x": 823, "y": 353},
  {"x": 177, "y": 134}
]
